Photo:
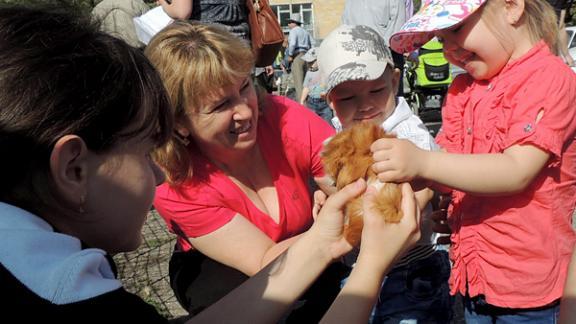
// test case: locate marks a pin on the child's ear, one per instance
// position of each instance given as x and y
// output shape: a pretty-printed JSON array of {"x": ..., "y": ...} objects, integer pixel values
[
  {"x": 330, "y": 102},
  {"x": 395, "y": 79},
  {"x": 69, "y": 169},
  {"x": 514, "y": 10}
]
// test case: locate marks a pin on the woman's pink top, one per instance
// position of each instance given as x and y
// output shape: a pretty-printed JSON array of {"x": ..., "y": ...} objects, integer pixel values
[
  {"x": 515, "y": 249},
  {"x": 290, "y": 138}
]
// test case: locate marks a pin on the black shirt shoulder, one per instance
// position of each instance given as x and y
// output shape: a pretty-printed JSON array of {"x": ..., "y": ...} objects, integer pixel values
[{"x": 116, "y": 306}]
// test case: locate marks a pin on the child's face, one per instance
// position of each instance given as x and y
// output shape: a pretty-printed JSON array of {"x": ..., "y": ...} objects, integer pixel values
[
  {"x": 365, "y": 101},
  {"x": 119, "y": 193},
  {"x": 473, "y": 46}
]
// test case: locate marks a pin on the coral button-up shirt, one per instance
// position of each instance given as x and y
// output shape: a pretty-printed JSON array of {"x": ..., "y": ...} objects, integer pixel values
[{"x": 515, "y": 249}]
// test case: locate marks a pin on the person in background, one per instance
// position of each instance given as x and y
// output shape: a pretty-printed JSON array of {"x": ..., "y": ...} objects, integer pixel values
[
  {"x": 508, "y": 130},
  {"x": 314, "y": 91},
  {"x": 115, "y": 17},
  {"x": 409, "y": 9},
  {"x": 299, "y": 42},
  {"x": 384, "y": 16},
  {"x": 361, "y": 83},
  {"x": 561, "y": 7},
  {"x": 239, "y": 169},
  {"x": 80, "y": 114},
  {"x": 232, "y": 14}
]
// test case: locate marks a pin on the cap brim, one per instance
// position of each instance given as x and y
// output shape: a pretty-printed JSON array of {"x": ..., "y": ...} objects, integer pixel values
[
  {"x": 433, "y": 16},
  {"x": 308, "y": 58},
  {"x": 406, "y": 42},
  {"x": 356, "y": 71}
]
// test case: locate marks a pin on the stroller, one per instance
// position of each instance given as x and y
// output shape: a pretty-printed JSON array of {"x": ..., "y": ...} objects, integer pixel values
[{"x": 428, "y": 79}]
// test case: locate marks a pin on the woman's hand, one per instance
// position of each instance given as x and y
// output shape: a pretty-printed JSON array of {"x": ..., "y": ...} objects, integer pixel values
[
  {"x": 397, "y": 160},
  {"x": 382, "y": 241},
  {"x": 329, "y": 224},
  {"x": 319, "y": 201},
  {"x": 177, "y": 9}
]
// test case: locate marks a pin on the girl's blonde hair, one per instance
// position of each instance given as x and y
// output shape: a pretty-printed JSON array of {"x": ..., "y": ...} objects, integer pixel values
[
  {"x": 540, "y": 19},
  {"x": 194, "y": 60}
]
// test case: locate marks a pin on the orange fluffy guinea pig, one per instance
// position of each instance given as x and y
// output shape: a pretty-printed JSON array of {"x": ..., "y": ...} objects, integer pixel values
[{"x": 347, "y": 158}]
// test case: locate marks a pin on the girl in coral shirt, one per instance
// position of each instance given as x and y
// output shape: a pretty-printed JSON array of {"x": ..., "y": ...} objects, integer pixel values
[{"x": 510, "y": 157}]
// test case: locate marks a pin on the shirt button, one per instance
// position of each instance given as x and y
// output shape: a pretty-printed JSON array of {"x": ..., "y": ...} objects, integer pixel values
[
  {"x": 469, "y": 130},
  {"x": 489, "y": 87}
]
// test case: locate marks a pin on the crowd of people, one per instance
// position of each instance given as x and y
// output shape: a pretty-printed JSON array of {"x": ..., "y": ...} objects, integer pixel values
[{"x": 98, "y": 128}]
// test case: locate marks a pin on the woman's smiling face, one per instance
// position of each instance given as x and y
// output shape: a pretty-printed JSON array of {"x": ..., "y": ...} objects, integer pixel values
[{"x": 227, "y": 119}]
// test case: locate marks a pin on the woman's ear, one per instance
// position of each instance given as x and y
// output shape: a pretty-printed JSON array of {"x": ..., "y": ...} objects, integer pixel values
[
  {"x": 182, "y": 131},
  {"x": 69, "y": 169},
  {"x": 514, "y": 10},
  {"x": 182, "y": 134}
]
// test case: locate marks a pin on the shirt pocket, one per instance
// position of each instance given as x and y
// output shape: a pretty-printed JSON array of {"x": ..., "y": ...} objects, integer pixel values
[{"x": 493, "y": 127}]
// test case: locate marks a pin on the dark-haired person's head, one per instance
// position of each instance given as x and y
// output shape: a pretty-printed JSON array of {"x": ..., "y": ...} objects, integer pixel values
[{"x": 79, "y": 113}]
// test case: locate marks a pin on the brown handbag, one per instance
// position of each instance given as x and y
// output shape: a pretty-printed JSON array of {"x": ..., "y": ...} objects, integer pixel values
[{"x": 265, "y": 32}]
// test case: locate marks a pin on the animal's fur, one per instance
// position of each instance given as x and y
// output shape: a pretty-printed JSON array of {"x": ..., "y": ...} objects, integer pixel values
[{"x": 346, "y": 158}]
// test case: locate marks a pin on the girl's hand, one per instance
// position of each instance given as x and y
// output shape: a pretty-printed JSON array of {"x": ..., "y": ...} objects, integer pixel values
[
  {"x": 328, "y": 227},
  {"x": 397, "y": 160},
  {"x": 382, "y": 241}
]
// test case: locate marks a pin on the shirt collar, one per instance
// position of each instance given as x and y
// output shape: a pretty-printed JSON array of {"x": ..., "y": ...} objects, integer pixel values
[{"x": 400, "y": 114}]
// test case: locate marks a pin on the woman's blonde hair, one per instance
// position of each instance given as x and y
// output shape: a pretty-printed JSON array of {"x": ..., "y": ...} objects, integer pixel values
[
  {"x": 193, "y": 60},
  {"x": 540, "y": 19}
]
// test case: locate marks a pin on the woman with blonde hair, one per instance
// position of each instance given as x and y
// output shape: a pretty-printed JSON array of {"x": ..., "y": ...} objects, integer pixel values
[{"x": 238, "y": 167}]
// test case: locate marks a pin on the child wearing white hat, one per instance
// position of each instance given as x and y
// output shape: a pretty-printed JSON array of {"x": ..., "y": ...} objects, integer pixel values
[{"x": 361, "y": 85}]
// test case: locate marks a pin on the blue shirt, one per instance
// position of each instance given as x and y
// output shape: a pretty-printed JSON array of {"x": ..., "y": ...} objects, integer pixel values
[{"x": 299, "y": 40}]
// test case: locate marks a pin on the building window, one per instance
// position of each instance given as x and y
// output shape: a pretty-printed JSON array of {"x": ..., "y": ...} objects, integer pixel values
[{"x": 283, "y": 12}]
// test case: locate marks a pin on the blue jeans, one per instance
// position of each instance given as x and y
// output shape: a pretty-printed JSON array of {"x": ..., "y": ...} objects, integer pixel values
[
  {"x": 417, "y": 293},
  {"x": 477, "y": 311},
  {"x": 321, "y": 108}
]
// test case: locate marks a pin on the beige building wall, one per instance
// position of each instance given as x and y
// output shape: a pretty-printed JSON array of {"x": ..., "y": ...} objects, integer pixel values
[{"x": 327, "y": 14}]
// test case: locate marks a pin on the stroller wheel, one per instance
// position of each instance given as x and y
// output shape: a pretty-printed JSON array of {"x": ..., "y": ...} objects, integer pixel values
[{"x": 415, "y": 103}]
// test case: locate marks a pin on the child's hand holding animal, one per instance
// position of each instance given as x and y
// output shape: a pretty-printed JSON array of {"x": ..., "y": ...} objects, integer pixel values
[{"x": 398, "y": 160}]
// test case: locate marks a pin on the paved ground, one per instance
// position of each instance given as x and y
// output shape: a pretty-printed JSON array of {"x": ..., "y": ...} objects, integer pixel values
[{"x": 145, "y": 271}]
